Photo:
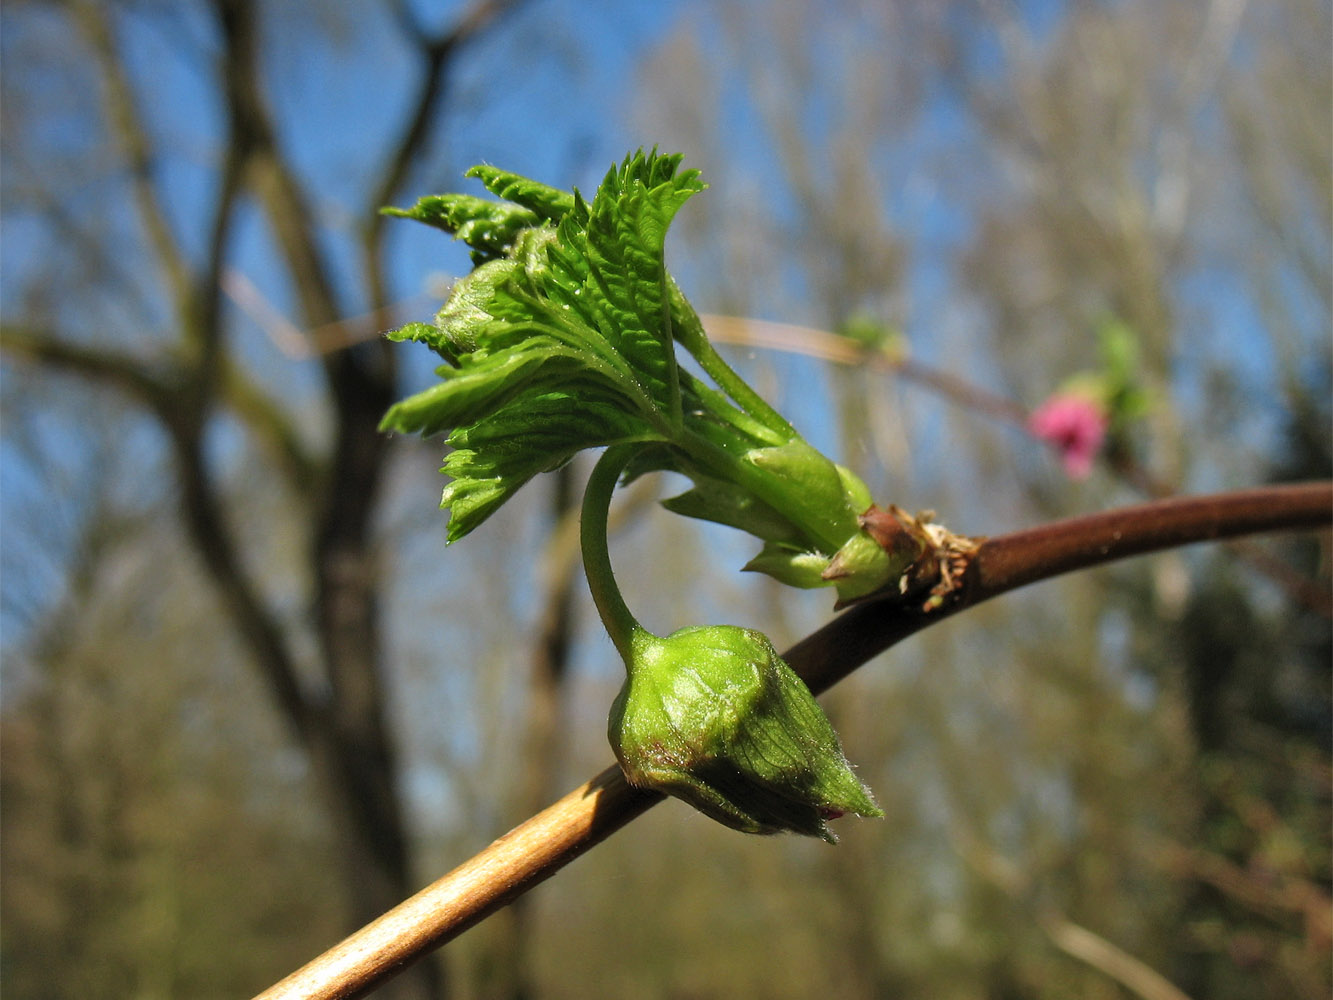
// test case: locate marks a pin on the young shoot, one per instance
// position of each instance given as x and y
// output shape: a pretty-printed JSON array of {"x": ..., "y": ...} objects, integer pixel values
[{"x": 564, "y": 338}]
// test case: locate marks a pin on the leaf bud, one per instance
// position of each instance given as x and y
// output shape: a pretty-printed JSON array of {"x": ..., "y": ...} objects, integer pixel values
[{"x": 887, "y": 546}]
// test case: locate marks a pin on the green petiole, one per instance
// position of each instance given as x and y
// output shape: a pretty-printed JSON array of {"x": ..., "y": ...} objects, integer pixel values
[{"x": 620, "y": 623}]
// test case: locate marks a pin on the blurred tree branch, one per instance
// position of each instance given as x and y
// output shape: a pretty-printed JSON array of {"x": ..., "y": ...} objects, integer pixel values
[
  {"x": 128, "y": 129},
  {"x": 1071, "y": 938},
  {"x": 200, "y": 508},
  {"x": 1101, "y": 954},
  {"x": 1264, "y": 891},
  {"x": 127, "y": 374},
  {"x": 841, "y": 350},
  {"x": 436, "y": 53}
]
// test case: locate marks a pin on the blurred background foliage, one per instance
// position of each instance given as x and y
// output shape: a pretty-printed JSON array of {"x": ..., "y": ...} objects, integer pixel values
[{"x": 250, "y": 699}]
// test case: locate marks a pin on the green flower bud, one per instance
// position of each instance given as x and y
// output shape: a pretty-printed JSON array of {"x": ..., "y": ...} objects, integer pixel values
[{"x": 712, "y": 715}]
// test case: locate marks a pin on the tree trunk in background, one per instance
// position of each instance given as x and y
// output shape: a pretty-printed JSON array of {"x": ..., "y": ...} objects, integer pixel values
[
  {"x": 542, "y": 745},
  {"x": 332, "y": 698},
  {"x": 363, "y": 775}
]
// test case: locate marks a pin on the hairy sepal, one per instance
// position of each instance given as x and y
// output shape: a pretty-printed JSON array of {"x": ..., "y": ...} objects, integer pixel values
[{"x": 793, "y": 566}]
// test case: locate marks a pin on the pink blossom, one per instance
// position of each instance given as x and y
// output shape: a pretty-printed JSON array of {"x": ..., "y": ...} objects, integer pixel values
[{"x": 1075, "y": 425}]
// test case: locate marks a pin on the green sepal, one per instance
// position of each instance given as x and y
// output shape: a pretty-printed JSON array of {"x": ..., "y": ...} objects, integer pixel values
[
  {"x": 862, "y": 567},
  {"x": 793, "y": 566},
  {"x": 712, "y": 715},
  {"x": 854, "y": 489},
  {"x": 726, "y": 503}
]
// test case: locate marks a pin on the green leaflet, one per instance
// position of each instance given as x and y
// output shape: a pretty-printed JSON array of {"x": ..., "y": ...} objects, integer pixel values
[
  {"x": 548, "y": 202},
  {"x": 726, "y": 503},
  {"x": 488, "y": 227},
  {"x": 608, "y": 265}
]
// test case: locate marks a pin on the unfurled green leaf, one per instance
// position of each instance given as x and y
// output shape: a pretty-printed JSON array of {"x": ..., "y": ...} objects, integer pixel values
[
  {"x": 571, "y": 301},
  {"x": 563, "y": 342},
  {"x": 607, "y": 265}
]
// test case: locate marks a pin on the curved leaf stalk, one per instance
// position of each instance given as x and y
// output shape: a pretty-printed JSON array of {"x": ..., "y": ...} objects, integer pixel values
[
  {"x": 616, "y": 616},
  {"x": 689, "y": 331}
]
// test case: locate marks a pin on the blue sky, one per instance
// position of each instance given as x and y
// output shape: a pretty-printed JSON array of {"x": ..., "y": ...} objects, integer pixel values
[{"x": 557, "y": 92}]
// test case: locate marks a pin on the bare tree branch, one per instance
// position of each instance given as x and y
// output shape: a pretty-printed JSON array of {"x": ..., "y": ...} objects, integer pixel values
[
  {"x": 437, "y": 54},
  {"x": 341, "y": 719},
  {"x": 173, "y": 405},
  {"x": 1079, "y": 942},
  {"x": 132, "y": 136},
  {"x": 128, "y": 374},
  {"x": 1261, "y": 890},
  {"x": 206, "y": 302},
  {"x": 261, "y": 632},
  {"x": 1073, "y": 939},
  {"x": 271, "y": 425},
  {"x": 281, "y": 195},
  {"x": 184, "y": 407},
  {"x": 538, "y": 848},
  {"x": 845, "y": 351}
]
